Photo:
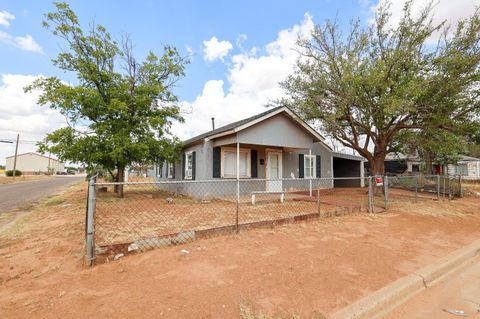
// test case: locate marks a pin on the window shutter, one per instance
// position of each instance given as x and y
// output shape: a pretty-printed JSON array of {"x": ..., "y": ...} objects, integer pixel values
[
  {"x": 253, "y": 163},
  {"x": 318, "y": 163},
  {"x": 301, "y": 166},
  {"x": 183, "y": 165},
  {"x": 160, "y": 169},
  {"x": 193, "y": 164},
  {"x": 216, "y": 162},
  {"x": 173, "y": 165}
]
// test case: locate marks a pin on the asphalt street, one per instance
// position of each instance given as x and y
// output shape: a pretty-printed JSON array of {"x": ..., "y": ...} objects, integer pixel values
[{"x": 21, "y": 194}]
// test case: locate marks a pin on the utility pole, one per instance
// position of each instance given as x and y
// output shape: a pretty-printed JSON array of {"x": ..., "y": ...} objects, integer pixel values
[
  {"x": 48, "y": 168},
  {"x": 15, "y": 159}
]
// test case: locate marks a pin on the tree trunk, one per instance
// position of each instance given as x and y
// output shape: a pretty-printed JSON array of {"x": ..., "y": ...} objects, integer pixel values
[
  {"x": 120, "y": 178},
  {"x": 429, "y": 164},
  {"x": 377, "y": 168},
  {"x": 377, "y": 165}
]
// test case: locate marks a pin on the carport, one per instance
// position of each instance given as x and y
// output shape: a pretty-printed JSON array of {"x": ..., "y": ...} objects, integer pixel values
[{"x": 345, "y": 165}]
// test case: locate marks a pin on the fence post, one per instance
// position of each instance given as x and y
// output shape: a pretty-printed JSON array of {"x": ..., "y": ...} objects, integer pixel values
[
  {"x": 416, "y": 189},
  {"x": 460, "y": 185},
  {"x": 444, "y": 182},
  {"x": 385, "y": 186},
  {"x": 438, "y": 187},
  {"x": 318, "y": 199},
  {"x": 237, "y": 206},
  {"x": 370, "y": 197},
  {"x": 449, "y": 189},
  {"x": 90, "y": 226}
]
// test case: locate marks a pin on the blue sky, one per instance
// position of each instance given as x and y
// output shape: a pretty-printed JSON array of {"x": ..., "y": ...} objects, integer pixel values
[
  {"x": 152, "y": 24},
  {"x": 240, "y": 50}
]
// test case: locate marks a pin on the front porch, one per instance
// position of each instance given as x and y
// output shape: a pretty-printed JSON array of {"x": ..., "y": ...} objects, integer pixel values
[{"x": 268, "y": 163}]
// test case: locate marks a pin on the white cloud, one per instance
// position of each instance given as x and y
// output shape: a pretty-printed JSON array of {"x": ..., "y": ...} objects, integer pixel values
[
  {"x": 5, "y": 18},
  {"x": 444, "y": 10},
  {"x": 20, "y": 113},
  {"x": 214, "y": 49},
  {"x": 26, "y": 43},
  {"x": 252, "y": 83}
]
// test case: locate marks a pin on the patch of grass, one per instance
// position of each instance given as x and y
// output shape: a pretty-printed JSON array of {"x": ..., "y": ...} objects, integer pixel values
[{"x": 55, "y": 200}]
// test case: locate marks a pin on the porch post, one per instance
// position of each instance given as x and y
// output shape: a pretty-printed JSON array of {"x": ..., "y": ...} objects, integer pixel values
[
  {"x": 312, "y": 169},
  {"x": 238, "y": 184}
]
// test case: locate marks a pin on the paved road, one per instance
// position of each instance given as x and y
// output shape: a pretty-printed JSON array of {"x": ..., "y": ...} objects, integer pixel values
[
  {"x": 21, "y": 194},
  {"x": 458, "y": 292}
]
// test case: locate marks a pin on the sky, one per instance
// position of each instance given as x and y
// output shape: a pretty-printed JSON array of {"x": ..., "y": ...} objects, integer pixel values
[{"x": 239, "y": 52}]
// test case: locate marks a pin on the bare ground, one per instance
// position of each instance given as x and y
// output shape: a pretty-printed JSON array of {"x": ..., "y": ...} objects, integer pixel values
[
  {"x": 307, "y": 270},
  {"x": 23, "y": 178}
]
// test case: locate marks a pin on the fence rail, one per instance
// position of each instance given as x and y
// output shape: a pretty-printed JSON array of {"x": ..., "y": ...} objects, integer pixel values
[{"x": 163, "y": 213}]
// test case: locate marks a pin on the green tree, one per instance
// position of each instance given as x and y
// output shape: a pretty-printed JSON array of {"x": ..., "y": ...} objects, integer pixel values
[
  {"x": 367, "y": 87},
  {"x": 120, "y": 111},
  {"x": 434, "y": 146},
  {"x": 474, "y": 143}
]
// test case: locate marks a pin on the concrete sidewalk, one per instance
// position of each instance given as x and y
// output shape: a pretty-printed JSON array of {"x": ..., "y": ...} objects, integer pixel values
[
  {"x": 382, "y": 302},
  {"x": 460, "y": 291}
]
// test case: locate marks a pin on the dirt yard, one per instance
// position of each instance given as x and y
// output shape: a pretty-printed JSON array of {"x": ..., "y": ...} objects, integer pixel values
[{"x": 304, "y": 270}]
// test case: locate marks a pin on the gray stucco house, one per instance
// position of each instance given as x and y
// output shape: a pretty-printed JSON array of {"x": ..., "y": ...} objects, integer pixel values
[{"x": 273, "y": 145}]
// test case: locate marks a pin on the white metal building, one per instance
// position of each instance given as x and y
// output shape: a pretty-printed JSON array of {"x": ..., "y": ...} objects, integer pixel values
[{"x": 33, "y": 163}]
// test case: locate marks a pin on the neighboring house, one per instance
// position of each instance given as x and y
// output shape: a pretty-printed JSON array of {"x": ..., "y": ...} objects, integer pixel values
[
  {"x": 467, "y": 166},
  {"x": 33, "y": 163},
  {"x": 398, "y": 163},
  {"x": 272, "y": 145}
]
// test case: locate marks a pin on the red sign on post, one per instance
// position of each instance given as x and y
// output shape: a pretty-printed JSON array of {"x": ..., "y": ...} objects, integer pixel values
[{"x": 379, "y": 181}]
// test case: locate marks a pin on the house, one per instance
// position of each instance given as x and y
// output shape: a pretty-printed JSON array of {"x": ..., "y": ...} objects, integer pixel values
[
  {"x": 33, "y": 163},
  {"x": 398, "y": 163},
  {"x": 273, "y": 147},
  {"x": 467, "y": 166}
]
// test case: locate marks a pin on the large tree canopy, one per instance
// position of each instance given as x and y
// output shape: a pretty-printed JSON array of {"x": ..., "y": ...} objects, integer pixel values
[
  {"x": 369, "y": 86},
  {"x": 120, "y": 110}
]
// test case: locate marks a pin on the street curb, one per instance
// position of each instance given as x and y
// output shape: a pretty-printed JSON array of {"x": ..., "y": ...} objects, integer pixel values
[{"x": 384, "y": 300}]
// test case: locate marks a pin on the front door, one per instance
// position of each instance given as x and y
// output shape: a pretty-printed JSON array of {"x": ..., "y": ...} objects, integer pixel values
[{"x": 274, "y": 171}]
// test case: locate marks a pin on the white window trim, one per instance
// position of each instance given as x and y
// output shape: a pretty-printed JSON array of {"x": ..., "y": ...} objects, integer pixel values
[
  {"x": 234, "y": 150},
  {"x": 313, "y": 168},
  {"x": 190, "y": 172},
  {"x": 169, "y": 173}
]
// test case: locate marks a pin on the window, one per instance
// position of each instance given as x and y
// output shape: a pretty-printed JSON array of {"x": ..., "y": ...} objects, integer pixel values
[
  {"x": 461, "y": 169},
  {"x": 415, "y": 168},
  {"x": 229, "y": 162},
  {"x": 309, "y": 166},
  {"x": 188, "y": 165},
  {"x": 170, "y": 170}
]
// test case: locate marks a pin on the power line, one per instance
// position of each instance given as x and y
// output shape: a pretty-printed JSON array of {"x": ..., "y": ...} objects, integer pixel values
[{"x": 8, "y": 140}]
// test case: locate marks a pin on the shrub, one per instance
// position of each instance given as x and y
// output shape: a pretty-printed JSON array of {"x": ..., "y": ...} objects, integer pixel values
[{"x": 10, "y": 173}]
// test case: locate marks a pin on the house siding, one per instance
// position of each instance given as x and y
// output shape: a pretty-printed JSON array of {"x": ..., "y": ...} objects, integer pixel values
[
  {"x": 473, "y": 169},
  {"x": 277, "y": 130}
]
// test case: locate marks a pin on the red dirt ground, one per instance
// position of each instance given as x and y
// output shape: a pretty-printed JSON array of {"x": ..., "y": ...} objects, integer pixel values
[{"x": 307, "y": 269}]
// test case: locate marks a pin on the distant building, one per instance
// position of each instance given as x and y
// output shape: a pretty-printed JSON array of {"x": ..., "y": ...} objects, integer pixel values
[
  {"x": 468, "y": 167},
  {"x": 33, "y": 163}
]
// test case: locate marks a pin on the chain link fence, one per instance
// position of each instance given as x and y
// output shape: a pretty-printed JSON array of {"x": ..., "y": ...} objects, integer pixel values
[
  {"x": 163, "y": 213},
  {"x": 417, "y": 188},
  {"x": 156, "y": 214}
]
